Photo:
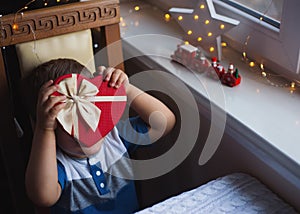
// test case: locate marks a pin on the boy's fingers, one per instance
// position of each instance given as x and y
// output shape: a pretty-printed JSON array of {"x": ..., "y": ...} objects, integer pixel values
[
  {"x": 56, "y": 109},
  {"x": 53, "y": 101},
  {"x": 45, "y": 92},
  {"x": 108, "y": 73}
]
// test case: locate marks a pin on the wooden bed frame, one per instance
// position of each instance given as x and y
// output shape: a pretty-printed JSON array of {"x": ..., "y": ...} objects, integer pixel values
[{"x": 39, "y": 24}]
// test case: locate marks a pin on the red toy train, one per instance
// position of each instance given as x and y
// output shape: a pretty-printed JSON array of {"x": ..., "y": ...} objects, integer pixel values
[{"x": 194, "y": 59}]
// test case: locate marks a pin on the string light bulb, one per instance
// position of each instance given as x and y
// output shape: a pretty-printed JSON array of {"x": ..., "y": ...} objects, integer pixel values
[
  {"x": 15, "y": 27},
  {"x": 199, "y": 39},
  {"x": 180, "y": 18},
  {"x": 206, "y": 21},
  {"x": 209, "y": 34},
  {"x": 202, "y": 6},
  {"x": 137, "y": 8},
  {"x": 196, "y": 17},
  {"x": 186, "y": 42},
  {"x": 251, "y": 64},
  {"x": 211, "y": 49},
  {"x": 167, "y": 17},
  {"x": 293, "y": 85},
  {"x": 222, "y": 26},
  {"x": 224, "y": 44},
  {"x": 190, "y": 32},
  {"x": 244, "y": 55},
  {"x": 264, "y": 74}
]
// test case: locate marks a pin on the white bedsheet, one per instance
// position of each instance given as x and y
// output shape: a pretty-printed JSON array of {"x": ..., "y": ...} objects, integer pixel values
[{"x": 235, "y": 193}]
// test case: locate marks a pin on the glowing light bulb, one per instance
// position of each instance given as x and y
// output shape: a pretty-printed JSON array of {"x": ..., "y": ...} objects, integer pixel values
[
  {"x": 293, "y": 85},
  {"x": 45, "y": 4},
  {"x": 252, "y": 64},
  {"x": 261, "y": 18},
  {"x": 186, "y": 42},
  {"x": 211, "y": 49},
  {"x": 206, "y": 22},
  {"x": 189, "y": 32},
  {"x": 25, "y": 7},
  {"x": 121, "y": 19},
  {"x": 57, "y": 1},
  {"x": 202, "y": 6},
  {"x": 180, "y": 18},
  {"x": 137, "y": 8},
  {"x": 196, "y": 17},
  {"x": 262, "y": 66},
  {"x": 15, "y": 27},
  {"x": 224, "y": 44},
  {"x": 264, "y": 74},
  {"x": 222, "y": 26},
  {"x": 244, "y": 54},
  {"x": 209, "y": 34},
  {"x": 167, "y": 17},
  {"x": 199, "y": 39}
]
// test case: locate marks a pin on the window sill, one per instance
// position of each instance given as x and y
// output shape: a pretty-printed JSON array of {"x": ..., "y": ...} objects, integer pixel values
[{"x": 267, "y": 118}]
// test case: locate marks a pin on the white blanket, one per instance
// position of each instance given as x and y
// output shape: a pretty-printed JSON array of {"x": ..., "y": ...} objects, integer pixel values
[{"x": 235, "y": 193}]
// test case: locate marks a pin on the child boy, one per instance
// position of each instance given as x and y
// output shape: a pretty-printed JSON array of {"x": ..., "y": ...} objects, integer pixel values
[{"x": 69, "y": 177}]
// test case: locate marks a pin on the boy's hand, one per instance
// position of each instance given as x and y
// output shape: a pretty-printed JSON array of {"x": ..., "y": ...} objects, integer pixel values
[
  {"x": 115, "y": 77},
  {"x": 48, "y": 106}
]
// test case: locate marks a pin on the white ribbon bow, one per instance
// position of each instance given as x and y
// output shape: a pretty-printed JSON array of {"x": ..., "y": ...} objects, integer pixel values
[{"x": 80, "y": 101}]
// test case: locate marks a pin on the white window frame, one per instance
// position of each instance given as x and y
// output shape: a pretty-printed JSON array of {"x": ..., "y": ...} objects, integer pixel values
[{"x": 277, "y": 49}]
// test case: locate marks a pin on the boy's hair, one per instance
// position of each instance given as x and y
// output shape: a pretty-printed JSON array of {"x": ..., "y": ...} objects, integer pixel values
[{"x": 50, "y": 70}]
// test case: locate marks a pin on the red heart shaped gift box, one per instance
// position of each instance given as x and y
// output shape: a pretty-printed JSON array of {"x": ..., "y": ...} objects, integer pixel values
[{"x": 92, "y": 107}]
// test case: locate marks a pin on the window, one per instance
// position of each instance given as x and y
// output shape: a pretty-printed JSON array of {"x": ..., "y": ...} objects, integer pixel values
[
  {"x": 269, "y": 11},
  {"x": 273, "y": 40}
]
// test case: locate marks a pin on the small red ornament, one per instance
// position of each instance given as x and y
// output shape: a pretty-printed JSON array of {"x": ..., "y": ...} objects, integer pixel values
[
  {"x": 92, "y": 107},
  {"x": 230, "y": 77}
]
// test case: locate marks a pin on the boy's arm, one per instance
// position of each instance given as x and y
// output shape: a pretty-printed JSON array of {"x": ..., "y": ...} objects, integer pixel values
[
  {"x": 156, "y": 114},
  {"x": 41, "y": 175}
]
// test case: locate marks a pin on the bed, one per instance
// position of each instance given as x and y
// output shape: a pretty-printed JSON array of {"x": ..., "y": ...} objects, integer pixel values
[{"x": 233, "y": 193}]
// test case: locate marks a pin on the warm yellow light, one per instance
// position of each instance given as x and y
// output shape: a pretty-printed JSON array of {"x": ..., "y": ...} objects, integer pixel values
[
  {"x": 262, "y": 66},
  {"x": 244, "y": 54},
  {"x": 167, "y": 16},
  {"x": 222, "y": 26},
  {"x": 209, "y": 34},
  {"x": 224, "y": 44},
  {"x": 45, "y": 4},
  {"x": 199, "y": 39},
  {"x": 189, "y": 32},
  {"x": 206, "y": 22},
  {"x": 261, "y": 18},
  {"x": 15, "y": 26},
  {"x": 196, "y": 17},
  {"x": 264, "y": 74},
  {"x": 57, "y": 0},
  {"x": 202, "y": 6},
  {"x": 211, "y": 49},
  {"x": 251, "y": 64},
  {"x": 180, "y": 18},
  {"x": 123, "y": 24},
  {"x": 25, "y": 7},
  {"x": 186, "y": 42},
  {"x": 121, "y": 19},
  {"x": 293, "y": 85},
  {"x": 137, "y": 8}
]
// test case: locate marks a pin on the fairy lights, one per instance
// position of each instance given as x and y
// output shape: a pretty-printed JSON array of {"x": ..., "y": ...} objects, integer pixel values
[{"x": 261, "y": 67}]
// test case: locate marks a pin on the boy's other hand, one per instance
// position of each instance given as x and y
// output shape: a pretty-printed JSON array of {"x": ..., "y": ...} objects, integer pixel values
[
  {"x": 48, "y": 106},
  {"x": 115, "y": 77}
]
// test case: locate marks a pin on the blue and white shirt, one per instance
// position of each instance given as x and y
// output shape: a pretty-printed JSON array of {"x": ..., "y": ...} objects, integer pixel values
[{"x": 96, "y": 184}]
